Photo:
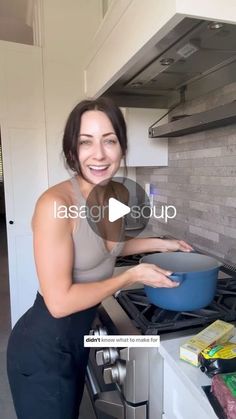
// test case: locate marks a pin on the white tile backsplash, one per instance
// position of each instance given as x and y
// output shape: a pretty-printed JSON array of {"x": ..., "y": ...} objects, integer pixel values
[{"x": 200, "y": 181}]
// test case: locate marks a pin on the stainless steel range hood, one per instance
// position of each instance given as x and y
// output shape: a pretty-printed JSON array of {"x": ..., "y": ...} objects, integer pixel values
[
  {"x": 202, "y": 121},
  {"x": 197, "y": 56}
]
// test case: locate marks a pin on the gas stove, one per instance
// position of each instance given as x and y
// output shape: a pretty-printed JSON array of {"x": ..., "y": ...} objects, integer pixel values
[
  {"x": 114, "y": 374},
  {"x": 150, "y": 319}
]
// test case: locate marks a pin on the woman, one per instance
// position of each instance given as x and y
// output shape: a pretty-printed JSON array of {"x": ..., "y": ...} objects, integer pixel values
[{"x": 46, "y": 359}]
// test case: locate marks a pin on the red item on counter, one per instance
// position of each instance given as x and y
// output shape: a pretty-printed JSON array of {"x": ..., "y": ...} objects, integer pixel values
[{"x": 224, "y": 389}]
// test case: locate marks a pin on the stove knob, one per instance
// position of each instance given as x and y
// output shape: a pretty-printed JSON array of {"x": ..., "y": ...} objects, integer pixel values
[
  {"x": 107, "y": 356},
  {"x": 115, "y": 373},
  {"x": 113, "y": 355},
  {"x": 99, "y": 331}
]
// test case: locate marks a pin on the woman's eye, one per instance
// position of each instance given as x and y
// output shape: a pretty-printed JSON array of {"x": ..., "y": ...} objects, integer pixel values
[
  {"x": 85, "y": 142},
  {"x": 111, "y": 141}
]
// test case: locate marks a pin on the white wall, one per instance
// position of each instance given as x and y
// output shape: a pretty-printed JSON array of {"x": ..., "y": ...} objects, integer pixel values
[{"x": 68, "y": 26}]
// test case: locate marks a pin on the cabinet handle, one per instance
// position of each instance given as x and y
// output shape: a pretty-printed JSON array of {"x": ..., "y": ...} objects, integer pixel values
[{"x": 11, "y": 222}]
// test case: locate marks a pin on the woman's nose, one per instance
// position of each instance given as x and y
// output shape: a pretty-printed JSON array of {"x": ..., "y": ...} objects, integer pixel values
[{"x": 99, "y": 151}]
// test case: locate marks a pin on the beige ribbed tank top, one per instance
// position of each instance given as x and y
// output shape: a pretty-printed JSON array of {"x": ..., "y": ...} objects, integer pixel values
[{"x": 92, "y": 261}]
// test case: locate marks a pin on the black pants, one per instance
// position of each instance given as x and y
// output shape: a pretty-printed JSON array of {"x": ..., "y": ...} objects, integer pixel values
[{"x": 46, "y": 363}]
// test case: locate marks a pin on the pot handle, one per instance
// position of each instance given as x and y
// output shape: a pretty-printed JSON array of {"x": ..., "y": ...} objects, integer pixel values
[{"x": 177, "y": 277}]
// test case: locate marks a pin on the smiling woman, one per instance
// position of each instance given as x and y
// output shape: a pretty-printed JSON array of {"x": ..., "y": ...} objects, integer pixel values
[
  {"x": 46, "y": 358},
  {"x": 93, "y": 145},
  {"x": 99, "y": 156}
]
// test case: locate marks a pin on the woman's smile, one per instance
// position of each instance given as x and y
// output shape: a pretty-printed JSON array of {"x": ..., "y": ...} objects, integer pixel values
[{"x": 99, "y": 171}]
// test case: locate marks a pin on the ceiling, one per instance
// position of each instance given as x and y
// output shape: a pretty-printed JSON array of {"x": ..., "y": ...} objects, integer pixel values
[{"x": 16, "y": 21}]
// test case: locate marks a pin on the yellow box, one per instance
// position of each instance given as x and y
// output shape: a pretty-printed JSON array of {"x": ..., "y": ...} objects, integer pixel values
[{"x": 217, "y": 332}]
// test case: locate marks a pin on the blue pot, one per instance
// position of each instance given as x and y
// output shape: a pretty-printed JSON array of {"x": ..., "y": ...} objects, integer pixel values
[{"x": 197, "y": 275}]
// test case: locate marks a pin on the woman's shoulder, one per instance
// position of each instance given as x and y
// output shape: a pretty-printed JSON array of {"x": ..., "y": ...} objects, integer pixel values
[
  {"x": 59, "y": 195},
  {"x": 60, "y": 192}
]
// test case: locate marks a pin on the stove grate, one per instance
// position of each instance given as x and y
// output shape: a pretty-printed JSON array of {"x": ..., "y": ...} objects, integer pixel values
[{"x": 154, "y": 320}]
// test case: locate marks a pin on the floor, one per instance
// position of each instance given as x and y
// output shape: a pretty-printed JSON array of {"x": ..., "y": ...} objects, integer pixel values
[{"x": 6, "y": 405}]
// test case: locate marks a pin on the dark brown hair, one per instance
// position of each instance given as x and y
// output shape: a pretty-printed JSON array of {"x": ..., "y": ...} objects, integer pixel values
[{"x": 72, "y": 128}]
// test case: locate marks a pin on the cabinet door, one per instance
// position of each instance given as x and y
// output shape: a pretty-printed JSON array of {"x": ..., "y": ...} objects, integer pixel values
[
  {"x": 3, "y": 99},
  {"x": 179, "y": 402},
  {"x": 24, "y": 86},
  {"x": 24, "y": 163},
  {"x": 142, "y": 150}
]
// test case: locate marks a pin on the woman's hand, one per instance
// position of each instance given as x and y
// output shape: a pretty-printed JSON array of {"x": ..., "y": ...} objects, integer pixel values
[
  {"x": 175, "y": 245},
  {"x": 152, "y": 275}
]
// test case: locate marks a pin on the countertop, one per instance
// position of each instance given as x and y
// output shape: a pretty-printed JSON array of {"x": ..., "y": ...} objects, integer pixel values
[{"x": 191, "y": 376}]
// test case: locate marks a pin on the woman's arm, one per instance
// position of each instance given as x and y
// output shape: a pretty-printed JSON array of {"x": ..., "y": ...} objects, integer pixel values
[
  {"x": 53, "y": 250},
  {"x": 152, "y": 244}
]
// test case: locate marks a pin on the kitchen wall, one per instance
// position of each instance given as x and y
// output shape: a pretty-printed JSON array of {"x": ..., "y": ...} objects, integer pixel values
[
  {"x": 67, "y": 28},
  {"x": 200, "y": 181}
]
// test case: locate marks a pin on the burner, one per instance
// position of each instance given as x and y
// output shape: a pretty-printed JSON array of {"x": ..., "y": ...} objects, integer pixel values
[
  {"x": 131, "y": 259},
  {"x": 230, "y": 302},
  {"x": 128, "y": 260},
  {"x": 154, "y": 320}
]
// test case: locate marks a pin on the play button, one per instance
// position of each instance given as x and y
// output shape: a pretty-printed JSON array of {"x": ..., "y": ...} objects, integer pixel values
[{"x": 116, "y": 209}]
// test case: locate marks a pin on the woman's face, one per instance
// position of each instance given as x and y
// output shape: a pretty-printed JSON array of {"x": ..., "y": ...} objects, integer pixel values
[{"x": 99, "y": 149}]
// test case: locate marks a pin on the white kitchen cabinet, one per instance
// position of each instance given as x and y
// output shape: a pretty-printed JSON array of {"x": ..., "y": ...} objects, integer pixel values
[
  {"x": 131, "y": 27},
  {"x": 179, "y": 402},
  {"x": 24, "y": 87},
  {"x": 2, "y": 83},
  {"x": 183, "y": 396},
  {"x": 142, "y": 150},
  {"x": 22, "y": 123}
]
